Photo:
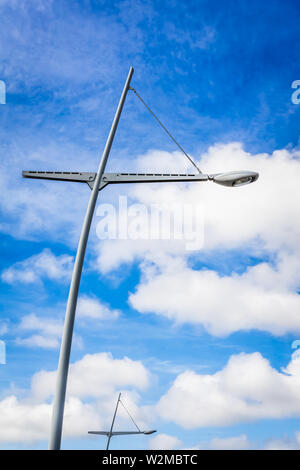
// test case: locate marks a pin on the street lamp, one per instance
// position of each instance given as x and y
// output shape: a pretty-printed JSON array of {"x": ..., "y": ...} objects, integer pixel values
[
  {"x": 97, "y": 181},
  {"x": 234, "y": 178},
  {"x": 112, "y": 433}
]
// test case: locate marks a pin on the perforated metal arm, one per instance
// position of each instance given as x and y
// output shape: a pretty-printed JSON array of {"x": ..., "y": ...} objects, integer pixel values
[
  {"x": 75, "y": 176},
  {"x": 114, "y": 178},
  {"x": 120, "y": 433},
  {"x": 151, "y": 177}
]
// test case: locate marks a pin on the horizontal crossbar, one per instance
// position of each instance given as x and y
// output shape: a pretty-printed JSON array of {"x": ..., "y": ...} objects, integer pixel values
[
  {"x": 113, "y": 178},
  {"x": 119, "y": 433}
]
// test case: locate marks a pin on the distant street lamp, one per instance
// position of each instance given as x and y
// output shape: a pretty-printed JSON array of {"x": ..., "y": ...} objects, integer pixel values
[
  {"x": 112, "y": 433},
  {"x": 96, "y": 182}
]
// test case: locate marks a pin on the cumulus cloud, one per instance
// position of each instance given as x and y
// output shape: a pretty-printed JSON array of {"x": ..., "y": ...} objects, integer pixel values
[
  {"x": 22, "y": 422},
  {"x": 266, "y": 210},
  {"x": 85, "y": 379},
  {"x": 36, "y": 331},
  {"x": 262, "y": 216},
  {"x": 93, "y": 385},
  {"x": 247, "y": 389},
  {"x": 44, "y": 265},
  {"x": 47, "y": 334},
  {"x": 164, "y": 442},
  {"x": 89, "y": 307},
  {"x": 264, "y": 297},
  {"x": 240, "y": 442},
  {"x": 283, "y": 443},
  {"x": 230, "y": 443},
  {"x": 25, "y": 422}
]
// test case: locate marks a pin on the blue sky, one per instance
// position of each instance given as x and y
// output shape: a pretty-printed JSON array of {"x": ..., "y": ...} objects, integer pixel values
[{"x": 199, "y": 342}]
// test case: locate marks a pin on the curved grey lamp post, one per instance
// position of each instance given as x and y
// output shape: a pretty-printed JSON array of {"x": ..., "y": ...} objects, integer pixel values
[{"x": 98, "y": 181}]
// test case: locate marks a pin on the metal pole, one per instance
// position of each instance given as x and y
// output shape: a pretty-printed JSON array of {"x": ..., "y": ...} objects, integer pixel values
[
  {"x": 64, "y": 357},
  {"x": 113, "y": 422}
]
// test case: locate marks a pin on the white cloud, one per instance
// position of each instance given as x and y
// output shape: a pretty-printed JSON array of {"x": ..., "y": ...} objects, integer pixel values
[
  {"x": 88, "y": 307},
  {"x": 95, "y": 375},
  {"x": 48, "y": 326},
  {"x": 264, "y": 297},
  {"x": 247, "y": 389},
  {"x": 22, "y": 422},
  {"x": 34, "y": 269},
  {"x": 48, "y": 332},
  {"x": 262, "y": 216},
  {"x": 164, "y": 442},
  {"x": 39, "y": 341},
  {"x": 25, "y": 422},
  {"x": 96, "y": 378},
  {"x": 284, "y": 443},
  {"x": 230, "y": 443},
  {"x": 242, "y": 442},
  {"x": 265, "y": 210}
]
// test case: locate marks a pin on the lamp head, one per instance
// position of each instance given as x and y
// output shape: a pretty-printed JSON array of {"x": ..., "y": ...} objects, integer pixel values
[{"x": 235, "y": 178}]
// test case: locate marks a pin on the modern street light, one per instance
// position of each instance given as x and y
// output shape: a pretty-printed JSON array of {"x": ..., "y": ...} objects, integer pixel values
[
  {"x": 111, "y": 433},
  {"x": 234, "y": 178},
  {"x": 97, "y": 181}
]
